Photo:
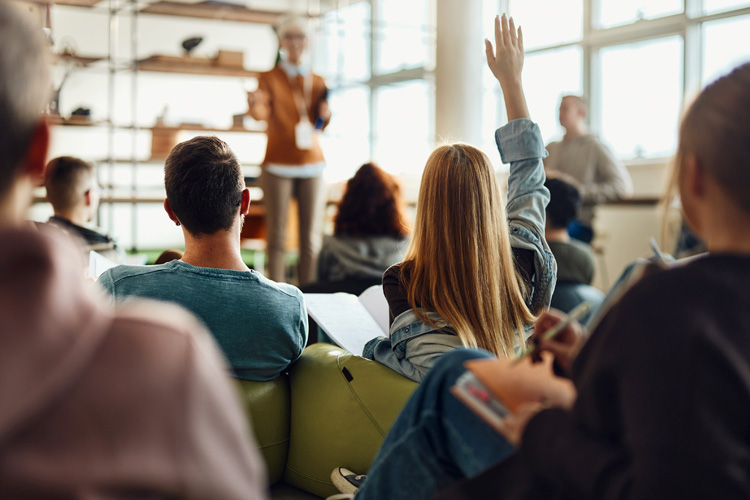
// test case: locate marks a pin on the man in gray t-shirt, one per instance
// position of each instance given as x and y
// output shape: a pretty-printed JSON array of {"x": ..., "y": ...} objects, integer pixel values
[
  {"x": 601, "y": 177},
  {"x": 260, "y": 325}
]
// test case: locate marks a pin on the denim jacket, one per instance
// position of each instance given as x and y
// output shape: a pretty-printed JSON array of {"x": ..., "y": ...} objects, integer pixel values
[{"x": 520, "y": 144}]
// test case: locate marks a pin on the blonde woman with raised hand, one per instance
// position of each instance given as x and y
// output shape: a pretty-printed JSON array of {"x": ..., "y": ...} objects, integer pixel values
[{"x": 475, "y": 273}]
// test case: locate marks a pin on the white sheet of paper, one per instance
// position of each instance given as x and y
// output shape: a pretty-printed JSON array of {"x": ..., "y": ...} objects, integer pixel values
[
  {"x": 375, "y": 303},
  {"x": 343, "y": 317},
  {"x": 98, "y": 264}
]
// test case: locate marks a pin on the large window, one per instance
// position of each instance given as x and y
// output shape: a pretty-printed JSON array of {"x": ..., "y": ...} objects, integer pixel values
[
  {"x": 376, "y": 56},
  {"x": 641, "y": 96},
  {"x": 726, "y": 44},
  {"x": 635, "y": 61},
  {"x": 548, "y": 76},
  {"x": 547, "y": 23},
  {"x": 616, "y": 12}
]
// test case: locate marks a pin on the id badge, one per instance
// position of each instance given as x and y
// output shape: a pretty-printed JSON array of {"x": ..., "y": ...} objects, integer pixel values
[{"x": 303, "y": 134}]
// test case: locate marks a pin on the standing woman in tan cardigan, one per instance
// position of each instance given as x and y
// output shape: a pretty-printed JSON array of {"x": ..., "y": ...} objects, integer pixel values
[{"x": 293, "y": 102}]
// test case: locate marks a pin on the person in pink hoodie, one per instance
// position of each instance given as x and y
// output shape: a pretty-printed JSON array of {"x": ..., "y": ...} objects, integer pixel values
[{"x": 97, "y": 402}]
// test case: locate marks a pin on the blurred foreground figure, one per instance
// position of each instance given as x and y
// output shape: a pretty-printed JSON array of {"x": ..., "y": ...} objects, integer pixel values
[{"x": 97, "y": 402}]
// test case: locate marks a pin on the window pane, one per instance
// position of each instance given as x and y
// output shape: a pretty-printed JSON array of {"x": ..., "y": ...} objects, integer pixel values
[
  {"x": 560, "y": 21},
  {"x": 712, "y": 6},
  {"x": 641, "y": 89},
  {"x": 617, "y": 12},
  {"x": 404, "y": 140},
  {"x": 342, "y": 48},
  {"x": 721, "y": 48},
  {"x": 346, "y": 141},
  {"x": 402, "y": 35},
  {"x": 547, "y": 76}
]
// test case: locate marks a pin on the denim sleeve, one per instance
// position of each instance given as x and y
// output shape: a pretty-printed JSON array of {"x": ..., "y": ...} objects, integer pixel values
[
  {"x": 380, "y": 349},
  {"x": 520, "y": 144}
]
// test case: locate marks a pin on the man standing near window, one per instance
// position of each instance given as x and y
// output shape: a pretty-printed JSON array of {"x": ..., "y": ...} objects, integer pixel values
[{"x": 582, "y": 156}]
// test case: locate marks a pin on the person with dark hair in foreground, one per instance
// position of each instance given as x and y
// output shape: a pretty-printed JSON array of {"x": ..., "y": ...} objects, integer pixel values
[
  {"x": 97, "y": 402},
  {"x": 260, "y": 325},
  {"x": 663, "y": 382},
  {"x": 73, "y": 191},
  {"x": 370, "y": 229}
]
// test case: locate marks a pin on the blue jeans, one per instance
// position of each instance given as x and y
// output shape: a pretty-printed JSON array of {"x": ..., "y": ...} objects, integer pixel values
[{"x": 435, "y": 441}]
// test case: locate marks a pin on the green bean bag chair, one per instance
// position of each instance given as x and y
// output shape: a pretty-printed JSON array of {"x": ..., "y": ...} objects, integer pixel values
[
  {"x": 267, "y": 405},
  {"x": 342, "y": 407}
]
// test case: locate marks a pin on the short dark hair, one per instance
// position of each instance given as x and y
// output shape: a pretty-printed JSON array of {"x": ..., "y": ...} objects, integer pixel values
[
  {"x": 204, "y": 184},
  {"x": 564, "y": 203},
  {"x": 67, "y": 180},
  {"x": 371, "y": 206},
  {"x": 24, "y": 70}
]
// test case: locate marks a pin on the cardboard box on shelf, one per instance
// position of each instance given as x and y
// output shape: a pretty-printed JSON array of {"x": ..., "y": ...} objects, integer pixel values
[{"x": 230, "y": 58}]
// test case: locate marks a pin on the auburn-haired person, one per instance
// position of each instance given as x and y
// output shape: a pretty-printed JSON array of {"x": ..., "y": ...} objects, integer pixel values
[
  {"x": 370, "y": 231},
  {"x": 372, "y": 205},
  {"x": 476, "y": 272}
]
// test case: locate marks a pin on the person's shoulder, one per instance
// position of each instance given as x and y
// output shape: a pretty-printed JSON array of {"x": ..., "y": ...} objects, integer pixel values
[
  {"x": 393, "y": 272},
  {"x": 580, "y": 247},
  {"x": 119, "y": 273},
  {"x": 277, "y": 288},
  {"x": 676, "y": 292},
  {"x": 318, "y": 80}
]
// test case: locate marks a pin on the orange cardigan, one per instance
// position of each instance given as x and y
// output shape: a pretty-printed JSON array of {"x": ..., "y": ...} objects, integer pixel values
[{"x": 284, "y": 115}]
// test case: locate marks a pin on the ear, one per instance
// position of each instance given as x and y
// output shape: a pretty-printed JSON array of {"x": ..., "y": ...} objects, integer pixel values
[
  {"x": 87, "y": 198},
  {"x": 245, "y": 203},
  {"x": 692, "y": 186},
  {"x": 36, "y": 156},
  {"x": 170, "y": 213},
  {"x": 694, "y": 178}
]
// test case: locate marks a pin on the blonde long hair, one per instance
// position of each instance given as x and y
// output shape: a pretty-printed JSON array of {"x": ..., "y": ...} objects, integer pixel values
[{"x": 459, "y": 263}]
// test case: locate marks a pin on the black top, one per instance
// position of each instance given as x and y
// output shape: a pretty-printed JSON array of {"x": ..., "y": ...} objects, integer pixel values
[
  {"x": 91, "y": 237},
  {"x": 98, "y": 242},
  {"x": 395, "y": 291},
  {"x": 663, "y": 408}
]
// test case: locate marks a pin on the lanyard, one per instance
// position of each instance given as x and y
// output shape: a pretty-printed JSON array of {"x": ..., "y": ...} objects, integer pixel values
[{"x": 299, "y": 99}]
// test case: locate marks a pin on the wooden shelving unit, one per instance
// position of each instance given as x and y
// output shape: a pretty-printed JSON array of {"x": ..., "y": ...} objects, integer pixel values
[
  {"x": 201, "y": 128},
  {"x": 196, "y": 67},
  {"x": 78, "y": 60},
  {"x": 70, "y": 3},
  {"x": 210, "y": 10},
  {"x": 73, "y": 121}
]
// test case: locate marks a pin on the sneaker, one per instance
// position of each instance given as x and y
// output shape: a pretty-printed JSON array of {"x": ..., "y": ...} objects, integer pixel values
[
  {"x": 346, "y": 481},
  {"x": 341, "y": 496}
]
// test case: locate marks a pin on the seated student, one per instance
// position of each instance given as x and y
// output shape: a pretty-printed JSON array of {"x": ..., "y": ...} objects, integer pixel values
[
  {"x": 663, "y": 381},
  {"x": 475, "y": 274},
  {"x": 575, "y": 260},
  {"x": 260, "y": 325},
  {"x": 370, "y": 229},
  {"x": 73, "y": 191},
  {"x": 96, "y": 402}
]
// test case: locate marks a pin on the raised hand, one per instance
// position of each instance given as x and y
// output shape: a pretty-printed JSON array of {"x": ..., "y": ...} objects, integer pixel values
[{"x": 506, "y": 63}]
